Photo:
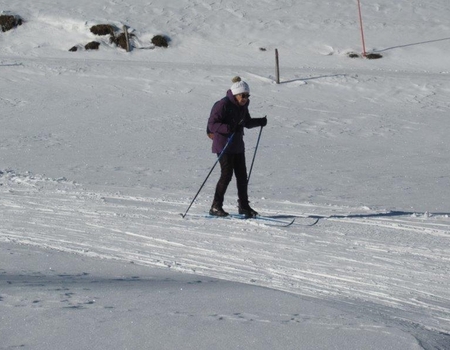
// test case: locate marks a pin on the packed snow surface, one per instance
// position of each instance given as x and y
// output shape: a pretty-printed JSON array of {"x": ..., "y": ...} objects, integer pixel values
[{"x": 100, "y": 151}]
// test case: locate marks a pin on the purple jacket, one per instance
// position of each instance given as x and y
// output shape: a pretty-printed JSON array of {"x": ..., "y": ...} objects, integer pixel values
[{"x": 225, "y": 116}]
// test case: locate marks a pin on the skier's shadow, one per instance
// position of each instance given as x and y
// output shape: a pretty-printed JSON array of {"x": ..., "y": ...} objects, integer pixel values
[
  {"x": 393, "y": 213},
  {"x": 379, "y": 215}
]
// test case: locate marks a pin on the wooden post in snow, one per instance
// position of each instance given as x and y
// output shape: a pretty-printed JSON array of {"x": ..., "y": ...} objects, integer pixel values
[
  {"x": 277, "y": 66},
  {"x": 127, "y": 38}
]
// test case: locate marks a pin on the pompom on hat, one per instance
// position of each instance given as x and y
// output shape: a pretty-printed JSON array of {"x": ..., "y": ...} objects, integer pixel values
[{"x": 239, "y": 86}]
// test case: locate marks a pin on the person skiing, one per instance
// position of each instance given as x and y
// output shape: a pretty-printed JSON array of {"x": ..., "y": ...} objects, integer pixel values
[{"x": 229, "y": 116}]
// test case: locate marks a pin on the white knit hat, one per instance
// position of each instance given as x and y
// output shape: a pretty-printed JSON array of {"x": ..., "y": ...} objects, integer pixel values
[{"x": 239, "y": 86}]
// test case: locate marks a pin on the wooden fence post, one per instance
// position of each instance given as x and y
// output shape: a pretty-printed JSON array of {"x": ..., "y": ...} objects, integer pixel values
[
  {"x": 127, "y": 38},
  {"x": 277, "y": 66}
]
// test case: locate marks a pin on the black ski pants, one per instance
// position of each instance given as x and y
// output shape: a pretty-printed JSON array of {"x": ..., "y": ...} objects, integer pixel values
[{"x": 230, "y": 163}]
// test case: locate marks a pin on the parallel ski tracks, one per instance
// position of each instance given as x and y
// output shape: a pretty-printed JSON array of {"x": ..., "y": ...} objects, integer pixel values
[{"x": 400, "y": 262}]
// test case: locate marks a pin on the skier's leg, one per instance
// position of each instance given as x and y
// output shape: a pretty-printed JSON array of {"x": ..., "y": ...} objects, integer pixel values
[
  {"x": 226, "y": 174},
  {"x": 240, "y": 170}
]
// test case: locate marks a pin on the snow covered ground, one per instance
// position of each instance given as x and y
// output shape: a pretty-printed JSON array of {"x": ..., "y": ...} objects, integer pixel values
[{"x": 101, "y": 150}]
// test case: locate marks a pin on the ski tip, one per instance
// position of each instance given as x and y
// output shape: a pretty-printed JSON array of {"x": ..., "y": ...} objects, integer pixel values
[
  {"x": 290, "y": 223},
  {"x": 315, "y": 222}
]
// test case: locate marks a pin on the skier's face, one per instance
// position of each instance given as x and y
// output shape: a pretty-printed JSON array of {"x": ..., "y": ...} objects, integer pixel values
[{"x": 242, "y": 99}]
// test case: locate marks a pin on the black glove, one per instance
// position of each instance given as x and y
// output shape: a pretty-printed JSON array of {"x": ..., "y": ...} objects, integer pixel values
[{"x": 263, "y": 121}]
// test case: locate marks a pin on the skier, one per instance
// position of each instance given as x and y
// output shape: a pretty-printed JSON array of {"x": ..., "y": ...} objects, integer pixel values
[{"x": 230, "y": 115}]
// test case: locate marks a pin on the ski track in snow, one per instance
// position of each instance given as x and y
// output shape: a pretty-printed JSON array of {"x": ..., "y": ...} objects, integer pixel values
[{"x": 397, "y": 261}]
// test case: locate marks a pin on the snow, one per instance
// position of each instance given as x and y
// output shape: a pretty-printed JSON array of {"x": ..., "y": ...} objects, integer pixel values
[{"x": 100, "y": 151}]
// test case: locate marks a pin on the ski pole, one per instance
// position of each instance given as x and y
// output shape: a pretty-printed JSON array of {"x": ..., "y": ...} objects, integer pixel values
[
  {"x": 254, "y": 155},
  {"x": 204, "y": 182}
]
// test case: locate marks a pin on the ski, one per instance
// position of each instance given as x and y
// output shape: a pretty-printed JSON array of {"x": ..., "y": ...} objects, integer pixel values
[
  {"x": 267, "y": 220},
  {"x": 272, "y": 221},
  {"x": 311, "y": 220}
]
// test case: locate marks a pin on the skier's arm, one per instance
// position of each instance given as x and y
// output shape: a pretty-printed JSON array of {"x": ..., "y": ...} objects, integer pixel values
[
  {"x": 216, "y": 122},
  {"x": 254, "y": 122}
]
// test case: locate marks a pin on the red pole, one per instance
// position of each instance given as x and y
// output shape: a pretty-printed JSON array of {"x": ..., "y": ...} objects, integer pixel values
[{"x": 362, "y": 31}]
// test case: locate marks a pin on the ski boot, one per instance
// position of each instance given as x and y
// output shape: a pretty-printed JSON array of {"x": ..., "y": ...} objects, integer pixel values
[
  {"x": 246, "y": 210},
  {"x": 217, "y": 210}
]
